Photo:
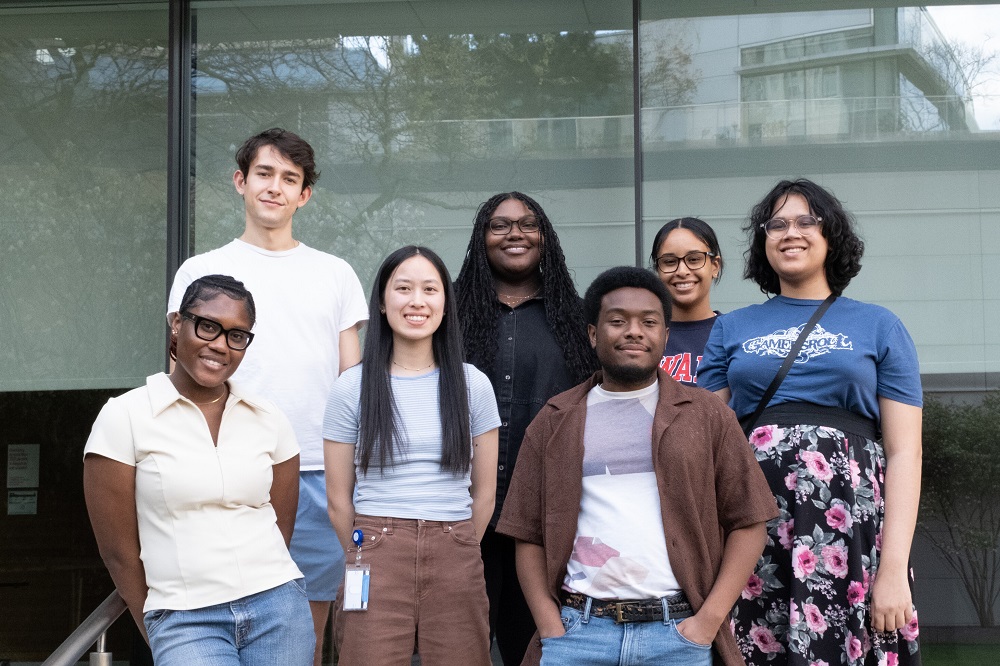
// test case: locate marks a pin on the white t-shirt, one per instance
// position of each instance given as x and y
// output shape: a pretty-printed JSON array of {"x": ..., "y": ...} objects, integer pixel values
[
  {"x": 304, "y": 299},
  {"x": 207, "y": 531},
  {"x": 415, "y": 487},
  {"x": 620, "y": 551}
]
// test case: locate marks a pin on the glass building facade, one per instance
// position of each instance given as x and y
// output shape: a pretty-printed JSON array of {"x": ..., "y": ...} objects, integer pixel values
[{"x": 119, "y": 121}]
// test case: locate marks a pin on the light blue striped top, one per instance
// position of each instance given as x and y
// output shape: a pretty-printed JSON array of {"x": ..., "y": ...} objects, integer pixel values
[{"x": 415, "y": 487}]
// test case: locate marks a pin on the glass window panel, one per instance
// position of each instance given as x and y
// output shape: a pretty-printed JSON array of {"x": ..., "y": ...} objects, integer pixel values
[
  {"x": 821, "y": 94},
  {"x": 415, "y": 126},
  {"x": 82, "y": 127}
]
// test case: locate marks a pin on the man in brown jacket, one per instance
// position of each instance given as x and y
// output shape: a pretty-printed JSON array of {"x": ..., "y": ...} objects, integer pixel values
[{"x": 637, "y": 506}]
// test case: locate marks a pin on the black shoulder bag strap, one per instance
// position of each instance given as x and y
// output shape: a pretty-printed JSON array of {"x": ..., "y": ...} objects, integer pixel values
[{"x": 748, "y": 423}]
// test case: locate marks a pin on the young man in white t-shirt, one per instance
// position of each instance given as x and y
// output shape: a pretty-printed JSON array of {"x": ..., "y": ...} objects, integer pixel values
[
  {"x": 310, "y": 307},
  {"x": 637, "y": 506}
]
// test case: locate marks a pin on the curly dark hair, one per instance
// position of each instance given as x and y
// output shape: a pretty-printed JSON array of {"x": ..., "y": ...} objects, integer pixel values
[
  {"x": 479, "y": 308},
  {"x": 619, "y": 278},
  {"x": 843, "y": 259},
  {"x": 292, "y": 147}
]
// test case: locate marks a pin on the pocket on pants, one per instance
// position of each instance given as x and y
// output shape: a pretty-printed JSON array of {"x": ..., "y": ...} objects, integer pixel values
[
  {"x": 686, "y": 641},
  {"x": 572, "y": 619},
  {"x": 154, "y": 618},
  {"x": 373, "y": 532},
  {"x": 300, "y": 585},
  {"x": 464, "y": 532}
]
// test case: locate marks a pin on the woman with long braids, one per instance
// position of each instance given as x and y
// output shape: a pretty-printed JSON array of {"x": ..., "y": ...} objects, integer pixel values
[
  {"x": 523, "y": 326},
  {"x": 192, "y": 485},
  {"x": 411, "y": 448}
]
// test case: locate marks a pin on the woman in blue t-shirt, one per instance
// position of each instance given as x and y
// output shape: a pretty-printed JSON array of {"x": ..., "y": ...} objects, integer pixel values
[
  {"x": 687, "y": 258},
  {"x": 411, "y": 453},
  {"x": 833, "y": 584}
]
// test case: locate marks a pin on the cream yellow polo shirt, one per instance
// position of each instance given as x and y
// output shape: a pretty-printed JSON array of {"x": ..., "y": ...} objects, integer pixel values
[{"x": 207, "y": 531}]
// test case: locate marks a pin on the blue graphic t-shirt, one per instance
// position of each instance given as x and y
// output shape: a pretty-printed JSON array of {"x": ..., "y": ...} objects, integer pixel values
[
  {"x": 856, "y": 353},
  {"x": 684, "y": 348}
]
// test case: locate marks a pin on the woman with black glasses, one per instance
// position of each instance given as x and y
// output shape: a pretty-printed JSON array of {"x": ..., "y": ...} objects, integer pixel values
[
  {"x": 192, "y": 487},
  {"x": 688, "y": 260},
  {"x": 522, "y": 326},
  {"x": 839, "y": 440}
]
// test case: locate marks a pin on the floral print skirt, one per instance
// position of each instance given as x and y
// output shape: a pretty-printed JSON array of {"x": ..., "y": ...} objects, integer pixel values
[{"x": 807, "y": 602}]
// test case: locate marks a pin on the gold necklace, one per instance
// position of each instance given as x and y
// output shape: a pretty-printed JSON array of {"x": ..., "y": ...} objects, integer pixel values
[
  {"x": 511, "y": 301},
  {"x": 212, "y": 402},
  {"x": 400, "y": 365}
]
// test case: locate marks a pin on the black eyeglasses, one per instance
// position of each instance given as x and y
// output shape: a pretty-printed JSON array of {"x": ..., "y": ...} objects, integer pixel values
[
  {"x": 777, "y": 227},
  {"x": 668, "y": 263},
  {"x": 501, "y": 226},
  {"x": 208, "y": 329}
]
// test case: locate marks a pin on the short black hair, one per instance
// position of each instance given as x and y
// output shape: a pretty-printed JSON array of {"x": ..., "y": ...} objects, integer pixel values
[
  {"x": 209, "y": 286},
  {"x": 702, "y": 230},
  {"x": 292, "y": 147},
  {"x": 843, "y": 259},
  {"x": 205, "y": 289},
  {"x": 618, "y": 278}
]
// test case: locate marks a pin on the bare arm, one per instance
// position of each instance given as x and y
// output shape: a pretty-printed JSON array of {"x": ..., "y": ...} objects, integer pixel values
[
  {"x": 338, "y": 458},
  {"x": 350, "y": 347},
  {"x": 285, "y": 495},
  {"x": 109, "y": 488},
  {"x": 530, "y": 560},
  {"x": 484, "y": 480},
  {"x": 725, "y": 394},
  {"x": 740, "y": 555},
  {"x": 892, "y": 605}
]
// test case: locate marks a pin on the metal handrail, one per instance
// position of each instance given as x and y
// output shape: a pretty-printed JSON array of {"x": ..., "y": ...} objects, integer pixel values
[{"x": 88, "y": 633}]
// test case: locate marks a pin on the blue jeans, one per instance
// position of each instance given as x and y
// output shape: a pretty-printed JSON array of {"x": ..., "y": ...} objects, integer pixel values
[
  {"x": 600, "y": 641},
  {"x": 263, "y": 629}
]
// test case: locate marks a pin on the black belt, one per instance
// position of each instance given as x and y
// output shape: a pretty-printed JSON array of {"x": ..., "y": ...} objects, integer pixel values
[
  {"x": 797, "y": 413},
  {"x": 630, "y": 610}
]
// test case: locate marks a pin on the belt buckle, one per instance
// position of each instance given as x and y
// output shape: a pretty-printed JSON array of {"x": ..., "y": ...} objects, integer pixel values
[{"x": 619, "y": 618}]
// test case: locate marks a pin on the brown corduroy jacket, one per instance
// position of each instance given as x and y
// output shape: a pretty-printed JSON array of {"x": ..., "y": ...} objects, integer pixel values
[{"x": 708, "y": 479}]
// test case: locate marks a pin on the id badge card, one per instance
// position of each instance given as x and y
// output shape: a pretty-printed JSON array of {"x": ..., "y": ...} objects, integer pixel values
[
  {"x": 356, "y": 581},
  {"x": 357, "y": 577}
]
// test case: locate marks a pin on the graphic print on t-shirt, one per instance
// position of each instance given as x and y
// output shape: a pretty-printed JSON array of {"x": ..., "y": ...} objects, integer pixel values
[
  {"x": 619, "y": 551},
  {"x": 680, "y": 367},
  {"x": 779, "y": 343}
]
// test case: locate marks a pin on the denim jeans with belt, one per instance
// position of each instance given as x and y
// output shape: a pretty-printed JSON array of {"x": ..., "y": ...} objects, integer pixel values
[
  {"x": 600, "y": 641},
  {"x": 263, "y": 629}
]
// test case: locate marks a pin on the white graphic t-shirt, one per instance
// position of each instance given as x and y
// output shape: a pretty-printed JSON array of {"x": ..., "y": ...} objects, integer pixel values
[{"x": 620, "y": 551}]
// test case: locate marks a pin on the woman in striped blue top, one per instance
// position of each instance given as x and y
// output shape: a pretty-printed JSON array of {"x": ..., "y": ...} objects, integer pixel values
[{"x": 411, "y": 451}]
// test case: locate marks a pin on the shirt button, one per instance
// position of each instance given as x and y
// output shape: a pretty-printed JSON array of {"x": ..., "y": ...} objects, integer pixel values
[
  {"x": 501, "y": 468},
  {"x": 504, "y": 424},
  {"x": 510, "y": 338},
  {"x": 507, "y": 377}
]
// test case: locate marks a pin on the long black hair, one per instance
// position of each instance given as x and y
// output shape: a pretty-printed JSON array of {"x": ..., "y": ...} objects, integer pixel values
[
  {"x": 479, "y": 308},
  {"x": 702, "y": 230},
  {"x": 380, "y": 435},
  {"x": 843, "y": 259}
]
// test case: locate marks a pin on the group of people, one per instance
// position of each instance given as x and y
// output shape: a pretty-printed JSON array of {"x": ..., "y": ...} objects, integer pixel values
[{"x": 506, "y": 460}]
